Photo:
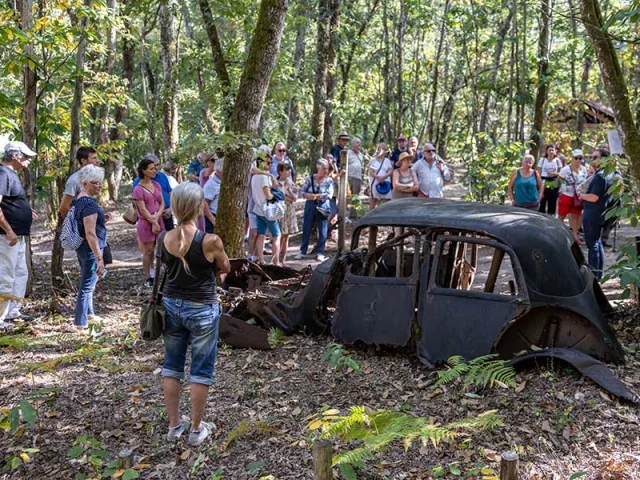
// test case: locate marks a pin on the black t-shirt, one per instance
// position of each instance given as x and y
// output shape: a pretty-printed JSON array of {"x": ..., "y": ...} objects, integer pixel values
[
  {"x": 598, "y": 186},
  {"x": 14, "y": 203}
]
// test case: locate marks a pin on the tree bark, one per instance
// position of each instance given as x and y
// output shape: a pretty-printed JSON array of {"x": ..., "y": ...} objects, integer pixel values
[
  {"x": 332, "y": 63},
  {"x": 109, "y": 64},
  {"x": 170, "y": 81},
  {"x": 294, "y": 107},
  {"x": 436, "y": 71},
  {"x": 543, "y": 78},
  {"x": 402, "y": 28},
  {"x": 584, "y": 85},
  {"x": 149, "y": 95},
  {"x": 219, "y": 63},
  {"x": 320, "y": 83},
  {"x": 118, "y": 133},
  {"x": 484, "y": 116},
  {"x": 614, "y": 82},
  {"x": 245, "y": 118}
]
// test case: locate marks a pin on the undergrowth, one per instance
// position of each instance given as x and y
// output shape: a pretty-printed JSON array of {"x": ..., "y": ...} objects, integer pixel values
[{"x": 481, "y": 372}]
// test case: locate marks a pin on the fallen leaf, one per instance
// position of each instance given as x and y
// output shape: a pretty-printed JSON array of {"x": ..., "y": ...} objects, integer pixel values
[
  {"x": 546, "y": 426},
  {"x": 296, "y": 411},
  {"x": 185, "y": 454}
]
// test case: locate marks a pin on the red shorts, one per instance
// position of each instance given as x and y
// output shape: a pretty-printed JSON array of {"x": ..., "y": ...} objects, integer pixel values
[{"x": 565, "y": 206}]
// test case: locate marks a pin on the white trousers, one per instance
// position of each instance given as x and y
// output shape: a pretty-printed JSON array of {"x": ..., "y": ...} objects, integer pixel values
[{"x": 13, "y": 277}]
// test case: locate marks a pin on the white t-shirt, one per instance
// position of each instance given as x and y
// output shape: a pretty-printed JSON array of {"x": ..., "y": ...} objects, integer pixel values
[
  {"x": 257, "y": 192},
  {"x": 173, "y": 183},
  {"x": 375, "y": 170},
  {"x": 571, "y": 179},
  {"x": 355, "y": 161},
  {"x": 73, "y": 185},
  {"x": 548, "y": 167}
]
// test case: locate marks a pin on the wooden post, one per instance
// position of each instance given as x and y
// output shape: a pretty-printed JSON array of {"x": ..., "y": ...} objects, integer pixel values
[
  {"x": 509, "y": 466},
  {"x": 400, "y": 254},
  {"x": 342, "y": 200},
  {"x": 322, "y": 452},
  {"x": 373, "y": 241},
  {"x": 498, "y": 255},
  {"x": 125, "y": 458}
]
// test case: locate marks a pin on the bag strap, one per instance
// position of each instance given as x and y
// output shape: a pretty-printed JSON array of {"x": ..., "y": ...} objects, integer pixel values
[{"x": 157, "y": 285}]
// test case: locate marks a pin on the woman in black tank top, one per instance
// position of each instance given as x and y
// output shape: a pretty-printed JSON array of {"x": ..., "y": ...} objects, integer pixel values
[{"x": 191, "y": 258}]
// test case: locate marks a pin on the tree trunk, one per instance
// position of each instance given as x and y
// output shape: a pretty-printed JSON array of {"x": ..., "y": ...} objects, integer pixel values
[
  {"x": 484, "y": 116},
  {"x": 332, "y": 63},
  {"x": 294, "y": 107},
  {"x": 543, "y": 78},
  {"x": 170, "y": 81},
  {"x": 614, "y": 82},
  {"x": 436, "y": 65},
  {"x": 219, "y": 63},
  {"x": 109, "y": 64},
  {"x": 204, "y": 104},
  {"x": 117, "y": 135},
  {"x": 247, "y": 110},
  {"x": 402, "y": 28},
  {"x": 149, "y": 94},
  {"x": 320, "y": 83},
  {"x": 584, "y": 85}
]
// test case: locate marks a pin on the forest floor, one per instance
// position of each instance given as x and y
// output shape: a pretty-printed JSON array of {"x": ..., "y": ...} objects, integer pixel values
[{"x": 105, "y": 394}]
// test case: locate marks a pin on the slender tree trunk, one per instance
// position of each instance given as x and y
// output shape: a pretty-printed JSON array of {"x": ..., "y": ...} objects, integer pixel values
[
  {"x": 523, "y": 67},
  {"x": 431, "y": 128},
  {"x": 204, "y": 103},
  {"x": 294, "y": 107},
  {"x": 247, "y": 110},
  {"x": 320, "y": 83},
  {"x": 219, "y": 62},
  {"x": 118, "y": 132},
  {"x": 584, "y": 85},
  {"x": 170, "y": 83},
  {"x": 109, "y": 64},
  {"x": 484, "y": 116},
  {"x": 332, "y": 63},
  {"x": 447, "y": 115},
  {"x": 388, "y": 86},
  {"x": 400, "y": 46},
  {"x": 150, "y": 95},
  {"x": 543, "y": 78},
  {"x": 614, "y": 82}
]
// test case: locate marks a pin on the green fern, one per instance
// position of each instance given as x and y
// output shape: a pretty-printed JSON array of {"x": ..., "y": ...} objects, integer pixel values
[
  {"x": 481, "y": 372},
  {"x": 276, "y": 336},
  {"x": 375, "y": 431}
]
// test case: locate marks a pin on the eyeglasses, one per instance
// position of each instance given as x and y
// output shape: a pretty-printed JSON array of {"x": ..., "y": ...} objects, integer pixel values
[
  {"x": 429, "y": 151},
  {"x": 282, "y": 150},
  {"x": 578, "y": 158},
  {"x": 97, "y": 184}
]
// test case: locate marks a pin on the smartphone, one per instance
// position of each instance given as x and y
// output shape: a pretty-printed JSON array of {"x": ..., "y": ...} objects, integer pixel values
[{"x": 95, "y": 266}]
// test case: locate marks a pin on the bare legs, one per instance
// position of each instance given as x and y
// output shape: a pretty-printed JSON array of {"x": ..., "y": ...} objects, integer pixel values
[
  {"x": 275, "y": 249},
  {"x": 172, "y": 401},
  {"x": 284, "y": 246},
  {"x": 147, "y": 249}
]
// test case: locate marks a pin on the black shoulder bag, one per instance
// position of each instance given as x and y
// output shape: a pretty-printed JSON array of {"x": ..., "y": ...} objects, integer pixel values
[{"x": 153, "y": 313}]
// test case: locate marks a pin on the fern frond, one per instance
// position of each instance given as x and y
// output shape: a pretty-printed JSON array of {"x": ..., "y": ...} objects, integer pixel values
[{"x": 483, "y": 371}]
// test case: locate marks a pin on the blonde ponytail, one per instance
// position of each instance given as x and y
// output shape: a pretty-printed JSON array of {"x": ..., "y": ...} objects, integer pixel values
[{"x": 186, "y": 200}]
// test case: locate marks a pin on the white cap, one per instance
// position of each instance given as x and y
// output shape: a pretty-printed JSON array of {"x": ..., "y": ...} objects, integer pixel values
[
  {"x": 577, "y": 153},
  {"x": 19, "y": 147}
]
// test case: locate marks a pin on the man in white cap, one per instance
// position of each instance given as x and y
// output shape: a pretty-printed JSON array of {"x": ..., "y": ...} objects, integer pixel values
[{"x": 15, "y": 224}]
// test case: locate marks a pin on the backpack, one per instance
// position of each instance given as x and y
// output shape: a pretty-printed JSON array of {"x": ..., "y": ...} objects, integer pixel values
[{"x": 70, "y": 236}]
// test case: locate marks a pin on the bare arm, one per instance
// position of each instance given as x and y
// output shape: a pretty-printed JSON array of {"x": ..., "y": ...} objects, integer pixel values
[
  {"x": 144, "y": 212},
  {"x": 512, "y": 180},
  {"x": 590, "y": 197},
  {"x": 394, "y": 179},
  {"x": 540, "y": 185},
  {"x": 214, "y": 252},
  {"x": 416, "y": 186},
  {"x": 267, "y": 192},
  {"x": 92, "y": 239},
  {"x": 65, "y": 205},
  {"x": 207, "y": 212}
]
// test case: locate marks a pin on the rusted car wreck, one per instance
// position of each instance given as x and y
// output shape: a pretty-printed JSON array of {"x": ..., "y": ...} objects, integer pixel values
[{"x": 455, "y": 278}]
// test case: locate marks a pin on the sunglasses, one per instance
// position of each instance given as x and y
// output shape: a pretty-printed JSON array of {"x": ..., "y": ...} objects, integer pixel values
[
  {"x": 429, "y": 151},
  {"x": 282, "y": 150},
  {"x": 578, "y": 158}
]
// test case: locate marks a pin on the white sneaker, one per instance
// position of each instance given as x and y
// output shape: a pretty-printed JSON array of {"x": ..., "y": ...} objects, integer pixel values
[
  {"x": 299, "y": 256},
  {"x": 175, "y": 433},
  {"x": 320, "y": 257},
  {"x": 196, "y": 438}
]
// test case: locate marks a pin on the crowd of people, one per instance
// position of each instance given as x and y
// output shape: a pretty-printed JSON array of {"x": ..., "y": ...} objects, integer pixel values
[{"x": 576, "y": 189}]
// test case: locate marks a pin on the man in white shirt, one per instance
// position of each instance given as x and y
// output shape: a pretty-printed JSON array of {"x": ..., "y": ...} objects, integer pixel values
[
  {"x": 212, "y": 196},
  {"x": 355, "y": 160},
  {"x": 84, "y": 156},
  {"x": 432, "y": 173},
  {"x": 261, "y": 193}
]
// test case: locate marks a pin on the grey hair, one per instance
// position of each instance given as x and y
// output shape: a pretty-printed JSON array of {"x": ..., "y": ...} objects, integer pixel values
[
  {"x": 151, "y": 156},
  {"x": 218, "y": 166},
  {"x": 91, "y": 173},
  {"x": 354, "y": 140},
  {"x": 168, "y": 165},
  {"x": 8, "y": 156},
  {"x": 322, "y": 163}
]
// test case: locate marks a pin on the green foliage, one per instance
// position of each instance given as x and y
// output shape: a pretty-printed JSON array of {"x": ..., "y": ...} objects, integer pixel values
[
  {"x": 489, "y": 172},
  {"x": 373, "y": 432},
  {"x": 276, "y": 336},
  {"x": 336, "y": 355},
  {"x": 11, "y": 418},
  {"x": 248, "y": 428},
  {"x": 480, "y": 372}
]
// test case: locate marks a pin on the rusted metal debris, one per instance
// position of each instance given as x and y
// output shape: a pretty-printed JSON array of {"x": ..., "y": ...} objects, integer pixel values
[{"x": 445, "y": 278}]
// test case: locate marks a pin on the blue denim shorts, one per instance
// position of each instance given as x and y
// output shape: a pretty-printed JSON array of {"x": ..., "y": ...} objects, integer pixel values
[
  {"x": 271, "y": 225},
  {"x": 195, "y": 323}
]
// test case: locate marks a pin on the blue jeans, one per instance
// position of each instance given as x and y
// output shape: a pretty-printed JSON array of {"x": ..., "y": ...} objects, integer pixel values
[
  {"x": 592, "y": 223},
  {"x": 195, "y": 323},
  {"x": 88, "y": 280},
  {"x": 313, "y": 216},
  {"x": 208, "y": 226}
]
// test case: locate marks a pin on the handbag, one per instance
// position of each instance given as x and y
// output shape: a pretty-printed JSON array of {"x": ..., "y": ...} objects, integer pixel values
[
  {"x": 323, "y": 208},
  {"x": 153, "y": 313},
  {"x": 576, "y": 202},
  {"x": 131, "y": 214},
  {"x": 69, "y": 235}
]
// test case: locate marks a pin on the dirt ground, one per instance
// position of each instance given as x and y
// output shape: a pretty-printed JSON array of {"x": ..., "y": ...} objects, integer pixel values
[{"x": 109, "y": 389}]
